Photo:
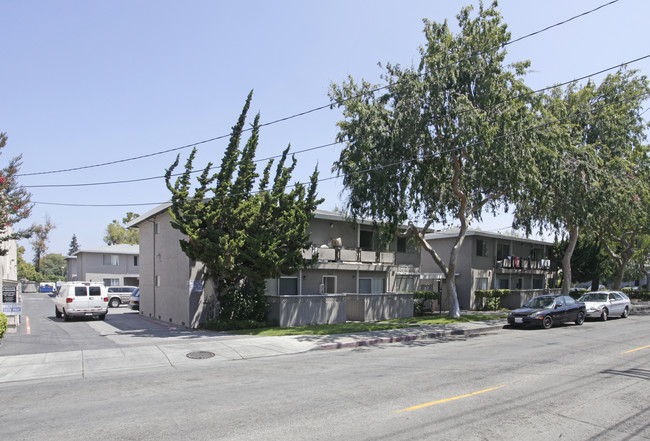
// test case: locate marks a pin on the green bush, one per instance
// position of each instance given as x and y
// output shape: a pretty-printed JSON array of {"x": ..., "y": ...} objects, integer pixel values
[
  {"x": 491, "y": 298},
  {"x": 234, "y": 325},
  {"x": 3, "y": 324},
  {"x": 419, "y": 297},
  {"x": 643, "y": 296},
  {"x": 246, "y": 302}
]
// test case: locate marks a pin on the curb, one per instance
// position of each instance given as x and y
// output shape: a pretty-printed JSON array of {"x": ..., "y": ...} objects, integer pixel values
[{"x": 411, "y": 337}]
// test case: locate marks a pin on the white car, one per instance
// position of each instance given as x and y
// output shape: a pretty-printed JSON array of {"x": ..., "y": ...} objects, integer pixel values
[
  {"x": 604, "y": 304},
  {"x": 81, "y": 299}
]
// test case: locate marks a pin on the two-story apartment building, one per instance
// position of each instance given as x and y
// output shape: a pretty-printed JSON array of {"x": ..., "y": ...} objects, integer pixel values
[
  {"x": 112, "y": 265},
  {"x": 492, "y": 261},
  {"x": 349, "y": 262}
]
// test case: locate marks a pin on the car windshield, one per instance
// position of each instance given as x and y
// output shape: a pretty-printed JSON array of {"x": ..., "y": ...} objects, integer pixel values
[
  {"x": 540, "y": 302},
  {"x": 594, "y": 298}
]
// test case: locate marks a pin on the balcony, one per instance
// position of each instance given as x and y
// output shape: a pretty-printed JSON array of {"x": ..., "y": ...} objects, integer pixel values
[
  {"x": 354, "y": 258},
  {"x": 516, "y": 264}
]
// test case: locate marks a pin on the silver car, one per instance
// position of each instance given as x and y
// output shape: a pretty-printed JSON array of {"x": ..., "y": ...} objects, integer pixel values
[{"x": 603, "y": 304}]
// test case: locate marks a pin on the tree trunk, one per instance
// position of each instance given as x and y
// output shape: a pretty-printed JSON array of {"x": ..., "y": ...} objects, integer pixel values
[{"x": 566, "y": 260}]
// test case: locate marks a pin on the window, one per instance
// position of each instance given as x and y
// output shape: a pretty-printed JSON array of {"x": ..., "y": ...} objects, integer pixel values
[
  {"x": 329, "y": 284},
  {"x": 538, "y": 283},
  {"x": 95, "y": 290},
  {"x": 288, "y": 286},
  {"x": 135, "y": 260},
  {"x": 157, "y": 280},
  {"x": 481, "y": 283},
  {"x": 503, "y": 251},
  {"x": 503, "y": 283},
  {"x": 367, "y": 240},
  {"x": 80, "y": 291},
  {"x": 402, "y": 284},
  {"x": 536, "y": 253},
  {"x": 401, "y": 244},
  {"x": 481, "y": 248},
  {"x": 111, "y": 282},
  {"x": 376, "y": 285},
  {"x": 156, "y": 227},
  {"x": 111, "y": 259}
]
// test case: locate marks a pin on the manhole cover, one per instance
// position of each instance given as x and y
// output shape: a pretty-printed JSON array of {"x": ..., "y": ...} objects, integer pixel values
[{"x": 199, "y": 355}]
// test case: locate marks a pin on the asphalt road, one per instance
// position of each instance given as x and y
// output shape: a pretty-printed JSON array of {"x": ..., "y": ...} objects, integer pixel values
[{"x": 587, "y": 382}]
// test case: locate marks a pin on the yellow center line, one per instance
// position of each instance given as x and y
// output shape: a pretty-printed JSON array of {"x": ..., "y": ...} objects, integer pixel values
[
  {"x": 637, "y": 349},
  {"x": 420, "y": 406}
]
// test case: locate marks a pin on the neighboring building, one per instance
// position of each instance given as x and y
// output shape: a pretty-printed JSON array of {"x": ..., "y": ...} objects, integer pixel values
[
  {"x": 172, "y": 289},
  {"x": 112, "y": 265},
  {"x": 491, "y": 261},
  {"x": 9, "y": 283}
]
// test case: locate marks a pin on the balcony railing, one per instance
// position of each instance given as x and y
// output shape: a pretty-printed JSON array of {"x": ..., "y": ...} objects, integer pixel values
[
  {"x": 350, "y": 255},
  {"x": 516, "y": 262}
]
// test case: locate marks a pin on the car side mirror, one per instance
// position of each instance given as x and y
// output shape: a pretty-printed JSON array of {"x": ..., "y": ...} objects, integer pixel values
[{"x": 559, "y": 305}]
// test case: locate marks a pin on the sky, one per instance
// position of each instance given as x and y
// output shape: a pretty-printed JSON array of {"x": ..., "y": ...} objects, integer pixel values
[{"x": 91, "y": 86}]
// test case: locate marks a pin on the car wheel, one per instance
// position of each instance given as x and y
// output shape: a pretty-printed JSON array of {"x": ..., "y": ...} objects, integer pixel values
[
  {"x": 66, "y": 317},
  {"x": 547, "y": 322},
  {"x": 580, "y": 319},
  {"x": 604, "y": 315},
  {"x": 56, "y": 312},
  {"x": 626, "y": 312},
  {"x": 114, "y": 303}
]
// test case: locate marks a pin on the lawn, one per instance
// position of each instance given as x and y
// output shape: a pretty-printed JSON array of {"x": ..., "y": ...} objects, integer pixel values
[{"x": 351, "y": 328}]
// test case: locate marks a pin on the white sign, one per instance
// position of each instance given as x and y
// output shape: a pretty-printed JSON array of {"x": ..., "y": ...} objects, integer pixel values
[{"x": 12, "y": 308}]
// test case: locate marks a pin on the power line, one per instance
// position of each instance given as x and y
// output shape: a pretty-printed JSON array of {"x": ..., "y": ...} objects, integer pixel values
[
  {"x": 296, "y": 115},
  {"x": 334, "y": 143},
  {"x": 389, "y": 165}
]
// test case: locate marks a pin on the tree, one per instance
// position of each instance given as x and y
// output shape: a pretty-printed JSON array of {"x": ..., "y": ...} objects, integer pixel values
[
  {"x": 74, "y": 245},
  {"x": 15, "y": 203},
  {"x": 39, "y": 241},
  {"x": 26, "y": 270},
  {"x": 618, "y": 133},
  {"x": 117, "y": 234},
  {"x": 589, "y": 261},
  {"x": 441, "y": 142},
  {"x": 53, "y": 266},
  {"x": 242, "y": 236},
  {"x": 588, "y": 152}
]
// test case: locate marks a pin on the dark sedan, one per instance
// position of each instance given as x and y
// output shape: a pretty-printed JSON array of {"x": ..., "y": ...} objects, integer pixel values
[{"x": 546, "y": 310}]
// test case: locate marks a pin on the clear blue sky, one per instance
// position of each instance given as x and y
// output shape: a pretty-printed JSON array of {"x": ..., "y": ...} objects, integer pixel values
[{"x": 90, "y": 82}]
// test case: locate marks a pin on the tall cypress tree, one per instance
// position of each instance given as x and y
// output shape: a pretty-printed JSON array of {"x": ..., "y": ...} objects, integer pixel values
[{"x": 243, "y": 236}]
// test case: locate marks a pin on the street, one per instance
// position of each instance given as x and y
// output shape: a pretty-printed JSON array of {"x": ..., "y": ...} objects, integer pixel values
[{"x": 569, "y": 382}]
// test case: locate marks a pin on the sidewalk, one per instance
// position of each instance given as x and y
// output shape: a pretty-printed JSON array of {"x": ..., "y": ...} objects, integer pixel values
[
  {"x": 222, "y": 348},
  {"x": 213, "y": 350}
]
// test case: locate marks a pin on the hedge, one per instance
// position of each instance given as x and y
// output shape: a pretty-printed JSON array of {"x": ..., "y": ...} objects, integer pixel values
[
  {"x": 419, "y": 297},
  {"x": 3, "y": 324},
  {"x": 491, "y": 298}
]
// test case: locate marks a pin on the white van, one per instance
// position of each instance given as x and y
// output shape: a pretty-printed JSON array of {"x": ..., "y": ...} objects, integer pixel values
[{"x": 81, "y": 299}]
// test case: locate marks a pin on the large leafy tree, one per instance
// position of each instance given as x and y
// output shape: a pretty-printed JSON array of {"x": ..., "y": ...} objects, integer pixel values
[
  {"x": 15, "y": 203},
  {"x": 443, "y": 141},
  {"x": 589, "y": 149},
  {"x": 243, "y": 236},
  {"x": 617, "y": 132},
  {"x": 116, "y": 233},
  {"x": 569, "y": 171},
  {"x": 39, "y": 241}
]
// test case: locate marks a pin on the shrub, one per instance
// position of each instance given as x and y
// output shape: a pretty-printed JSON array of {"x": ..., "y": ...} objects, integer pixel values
[
  {"x": 246, "y": 302},
  {"x": 491, "y": 298},
  {"x": 419, "y": 297},
  {"x": 3, "y": 324},
  {"x": 234, "y": 325}
]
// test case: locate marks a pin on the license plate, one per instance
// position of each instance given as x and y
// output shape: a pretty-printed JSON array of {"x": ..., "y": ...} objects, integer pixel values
[
  {"x": 89, "y": 313},
  {"x": 519, "y": 320}
]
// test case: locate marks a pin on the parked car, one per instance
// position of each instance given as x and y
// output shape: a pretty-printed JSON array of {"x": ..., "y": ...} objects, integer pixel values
[
  {"x": 604, "y": 304},
  {"x": 547, "y": 310},
  {"x": 81, "y": 299},
  {"x": 134, "y": 300},
  {"x": 119, "y": 294}
]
